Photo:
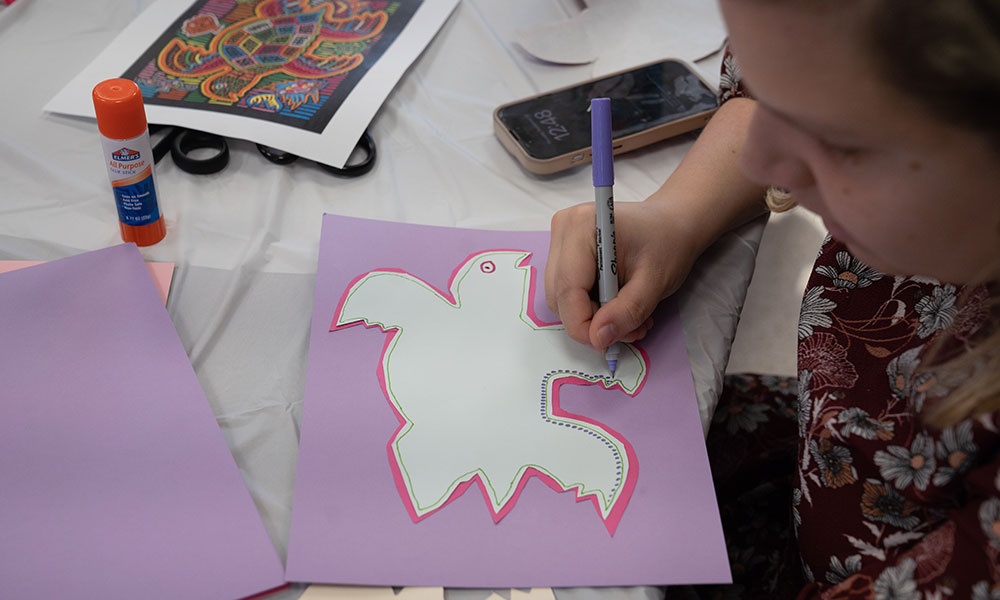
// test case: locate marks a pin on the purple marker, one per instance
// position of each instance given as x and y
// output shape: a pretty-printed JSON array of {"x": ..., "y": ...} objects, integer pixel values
[{"x": 604, "y": 200}]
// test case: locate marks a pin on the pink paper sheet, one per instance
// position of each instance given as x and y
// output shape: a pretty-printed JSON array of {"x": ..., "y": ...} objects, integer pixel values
[
  {"x": 349, "y": 523},
  {"x": 162, "y": 273},
  {"x": 114, "y": 477}
]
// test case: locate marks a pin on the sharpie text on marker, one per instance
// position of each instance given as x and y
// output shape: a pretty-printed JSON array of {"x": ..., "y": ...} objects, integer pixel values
[{"x": 604, "y": 202}]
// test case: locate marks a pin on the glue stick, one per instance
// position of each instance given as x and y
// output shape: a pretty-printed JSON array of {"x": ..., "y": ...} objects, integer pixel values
[{"x": 121, "y": 119}]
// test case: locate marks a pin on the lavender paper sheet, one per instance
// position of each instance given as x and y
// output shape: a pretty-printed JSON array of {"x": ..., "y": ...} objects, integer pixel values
[
  {"x": 349, "y": 523},
  {"x": 114, "y": 478}
]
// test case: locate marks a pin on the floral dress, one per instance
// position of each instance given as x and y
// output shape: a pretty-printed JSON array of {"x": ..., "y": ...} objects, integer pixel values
[{"x": 881, "y": 504}]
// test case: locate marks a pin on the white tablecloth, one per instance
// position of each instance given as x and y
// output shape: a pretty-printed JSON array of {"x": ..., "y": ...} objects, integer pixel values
[{"x": 245, "y": 240}]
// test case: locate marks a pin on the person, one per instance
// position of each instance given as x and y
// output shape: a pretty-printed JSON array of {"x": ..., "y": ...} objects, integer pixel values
[{"x": 879, "y": 463}]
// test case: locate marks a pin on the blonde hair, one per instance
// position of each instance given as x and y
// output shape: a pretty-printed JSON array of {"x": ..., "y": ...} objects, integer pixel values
[{"x": 976, "y": 367}]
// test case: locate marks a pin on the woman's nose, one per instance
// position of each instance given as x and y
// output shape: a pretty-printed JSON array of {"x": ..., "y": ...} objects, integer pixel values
[{"x": 772, "y": 153}]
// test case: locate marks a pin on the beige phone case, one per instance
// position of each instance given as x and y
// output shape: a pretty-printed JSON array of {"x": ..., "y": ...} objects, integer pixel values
[{"x": 621, "y": 145}]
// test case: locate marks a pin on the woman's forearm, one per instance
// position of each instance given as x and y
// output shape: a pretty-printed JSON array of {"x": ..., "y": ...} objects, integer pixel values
[{"x": 708, "y": 191}]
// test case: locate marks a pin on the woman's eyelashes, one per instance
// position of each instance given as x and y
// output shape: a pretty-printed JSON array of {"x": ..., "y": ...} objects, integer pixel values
[{"x": 840, "y": 151}]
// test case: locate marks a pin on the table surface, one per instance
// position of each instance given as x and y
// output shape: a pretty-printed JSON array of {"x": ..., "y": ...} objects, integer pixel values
[{"x": 245, "y": 240}]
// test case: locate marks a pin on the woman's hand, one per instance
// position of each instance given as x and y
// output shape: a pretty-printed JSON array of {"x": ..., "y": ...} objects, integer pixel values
[
  {"x": 658, "y": 239},
  {"x": 654, "y": 254}
]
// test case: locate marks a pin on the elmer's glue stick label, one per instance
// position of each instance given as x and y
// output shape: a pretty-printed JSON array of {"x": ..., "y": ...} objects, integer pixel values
[
  {"x": 128, "y": 156},
  {"x": 130, "y": 166}
]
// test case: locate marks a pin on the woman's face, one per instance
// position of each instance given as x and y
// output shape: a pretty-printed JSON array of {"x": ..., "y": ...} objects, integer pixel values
[{"x": 907, "y": 192}]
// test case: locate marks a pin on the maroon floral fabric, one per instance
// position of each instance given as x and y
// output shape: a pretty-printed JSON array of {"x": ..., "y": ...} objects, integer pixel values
[
  {"x": 731, "y": 79},
  {"x": 878, "y": 504},
  {"x": 884, "y": 503}
]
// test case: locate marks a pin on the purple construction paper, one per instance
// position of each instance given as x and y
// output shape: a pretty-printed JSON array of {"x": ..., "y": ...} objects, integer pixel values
[
  {"x": 349, "y": 524},
  {"x": 114, "y": 477}
]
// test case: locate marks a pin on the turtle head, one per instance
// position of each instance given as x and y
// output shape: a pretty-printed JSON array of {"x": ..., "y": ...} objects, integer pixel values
[{"x": 491, "y": 276}]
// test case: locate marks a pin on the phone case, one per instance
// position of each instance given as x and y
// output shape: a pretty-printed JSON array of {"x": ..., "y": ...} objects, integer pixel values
[{"x": 620, "y": 145}]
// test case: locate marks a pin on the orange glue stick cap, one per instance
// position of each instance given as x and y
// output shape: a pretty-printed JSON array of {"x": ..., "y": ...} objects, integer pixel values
[{"x": 119, "y": 108}]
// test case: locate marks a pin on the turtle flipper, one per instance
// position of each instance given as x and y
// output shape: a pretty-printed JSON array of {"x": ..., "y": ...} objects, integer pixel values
[
  {"x": 355, "y": 28},
  {"x": 229, "y": 86},
  {"x": 312, "y": 69},
  {"x": 178, "y": 58}
]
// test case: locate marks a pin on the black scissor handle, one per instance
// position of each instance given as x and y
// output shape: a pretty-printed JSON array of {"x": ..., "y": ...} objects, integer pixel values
[
  {"x": 181, "y": 142},
  {"x": 366, "y": 144},
  {"x": 277, "y": 156},
  {"x": 162, "y": 146},
  {"x": 189, "y": 140}
]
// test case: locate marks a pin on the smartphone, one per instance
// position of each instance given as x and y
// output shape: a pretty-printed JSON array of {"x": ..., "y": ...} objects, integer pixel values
[{"x": 550, "y": 132}]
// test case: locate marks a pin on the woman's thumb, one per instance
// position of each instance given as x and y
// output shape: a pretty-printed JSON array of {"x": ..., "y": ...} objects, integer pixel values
[{"x": 625, "y": 313}]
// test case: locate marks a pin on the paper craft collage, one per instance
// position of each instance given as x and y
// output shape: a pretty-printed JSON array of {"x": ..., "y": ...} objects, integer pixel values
[
  {"x": 447, "y": 434},
  {"x": 453, "y": 435}
]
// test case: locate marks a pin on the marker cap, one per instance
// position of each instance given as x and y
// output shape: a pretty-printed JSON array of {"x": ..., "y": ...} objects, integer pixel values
[
  {"x": 119, "y": 109},
  {"x": 600, "y": 141}
]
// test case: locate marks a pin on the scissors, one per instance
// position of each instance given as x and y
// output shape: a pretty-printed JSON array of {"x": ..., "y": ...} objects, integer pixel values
[{"x": 213, "y": 152}]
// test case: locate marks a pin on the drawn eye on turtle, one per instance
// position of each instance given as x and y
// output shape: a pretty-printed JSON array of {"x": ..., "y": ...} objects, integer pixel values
[{"x": 487, "y": 267}]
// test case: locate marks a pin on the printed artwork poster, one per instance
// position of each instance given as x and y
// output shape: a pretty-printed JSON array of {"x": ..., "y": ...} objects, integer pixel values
[
  {"x": 287, "y": 61},
  {"x": 453, "y": 435},
  {"x": 302, "y": 76}
]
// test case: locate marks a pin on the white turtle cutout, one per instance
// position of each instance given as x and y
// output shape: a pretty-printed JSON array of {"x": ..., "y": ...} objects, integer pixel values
[{"x": 473, "y": 376}]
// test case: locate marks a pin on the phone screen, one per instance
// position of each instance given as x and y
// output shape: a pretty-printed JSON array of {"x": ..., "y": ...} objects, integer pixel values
[{"x": 554, "y": 124}]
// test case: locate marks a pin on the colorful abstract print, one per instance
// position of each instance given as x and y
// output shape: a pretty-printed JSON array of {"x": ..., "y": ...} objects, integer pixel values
[{"x": 288, "y": 61}]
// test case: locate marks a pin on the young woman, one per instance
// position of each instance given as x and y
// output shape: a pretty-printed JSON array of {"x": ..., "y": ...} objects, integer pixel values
[{"x": 881, "y": 116}]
